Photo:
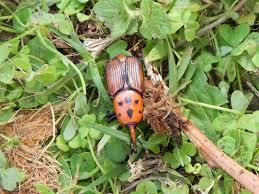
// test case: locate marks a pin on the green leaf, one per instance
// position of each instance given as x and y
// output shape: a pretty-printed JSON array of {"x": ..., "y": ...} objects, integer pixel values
[
  {"x": 156, "y": 23},
  {"x": 224, "y": 50},
  {"x": 239, "y": 101},
  {"x": 116, "y": 150},
  {"x": 39, "y": 51},
  {"x": 95, "y": 134},
  {"x": 184, "y": 62},
  {"x": 173, "y": 188},
  {"x": 75, "y": 142},
  {"x": 205, "y": 182},
  {"x": 206, "y": 171},
  {"x": 58, "y": 21},
  {"x": 61, "y": 143},
  {"x": 147, "y": 187},
  {"x": 23, "y": 13},
  {"x": 248, "y": 45},
  {"x": 255, "y": 59},
  {"x": 63, "y": 24},
  {"x": 83, "y": 131},
  {"x": 199, "y": 90},
  {"x": 157, "y": 139},
  {"x": 224, "y": 122},
  {"x": 73, "y": 7},
  {"x": 5, "y": 50},
  {"x": 228, "y": 144},
  {"x": 249, "y": 122},
  {"x": 224, "y": 88},
  {"x": 118, "y": 47},
  {"x": 173, "y": 74},
  {"x": 70, "y": 130},
  {"x": 43, "y": 189},
  {"x": 88, "y": 118},
  {"x": 158, "y": 51},
  {"x": 236, "y": 36},
  {"x": 247, "y": 148},
  {"x": 205, "y": 60},
  {"x": 81, "y": 106},
  {"x": 6, "y": 72},
  {"x": 82, "y": 17},
  {"x": 247, "y": 19},
  {"x": 28, "y": 101},
  {"x": 226, "y": 66},
  {"x": 3, "y": 160},
  {"x": 61, "y": 66},
  {"x": 46, "y": 75},
  {"x": 246, "y": 62},
  {"x": 83, "y": 162},
  {"x": 114, "y": 15},
  {"x": 22, "y": 60},
  {"x": 6, "y": 114},
  {"x": 188, "y": 149},
  {"x": 192, "y": 169},
  {"x": 10, "y": 177}
]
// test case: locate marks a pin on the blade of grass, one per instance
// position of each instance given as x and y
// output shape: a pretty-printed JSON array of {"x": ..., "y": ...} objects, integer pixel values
[
  {"x": 111, "y": 174},
  {"x": 173, "y": 81},
  {"x": 184, "y": 62},
  {"x": 211, "y": 106},
  {"x": 39, "y": 35},
  {"x": 114, "y": 133},
  {"x": 99, "y": 165},
  {"x": 80, "y": 48}
]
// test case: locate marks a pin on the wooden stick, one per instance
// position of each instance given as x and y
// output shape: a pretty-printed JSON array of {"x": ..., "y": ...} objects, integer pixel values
[
  {"x": 214, "y": 156},
  {"x": 212, "y": 153}
]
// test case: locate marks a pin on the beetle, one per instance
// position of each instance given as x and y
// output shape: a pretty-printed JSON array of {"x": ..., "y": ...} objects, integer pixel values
[{"x": 125, "y": 82}]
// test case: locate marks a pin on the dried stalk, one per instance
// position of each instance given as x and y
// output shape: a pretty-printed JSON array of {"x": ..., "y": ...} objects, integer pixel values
[{"x": 214, "y": 156}]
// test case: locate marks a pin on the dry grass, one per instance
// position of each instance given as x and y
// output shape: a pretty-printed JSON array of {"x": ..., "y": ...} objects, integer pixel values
[{"x": 33, "y": 128}]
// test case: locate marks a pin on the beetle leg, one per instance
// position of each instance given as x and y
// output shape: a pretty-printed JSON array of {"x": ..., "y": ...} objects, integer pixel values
[
  {"x": 141, "y": 133},
  {"x": 142, "y": 146},
  {"x": 133, "y": 147},
  {"x": 110, "y": 116}
]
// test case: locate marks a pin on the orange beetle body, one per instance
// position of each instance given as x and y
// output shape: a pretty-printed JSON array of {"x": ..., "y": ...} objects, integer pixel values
[{"x": 125, "y": 83}]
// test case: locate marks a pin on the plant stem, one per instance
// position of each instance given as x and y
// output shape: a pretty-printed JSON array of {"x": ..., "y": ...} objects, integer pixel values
[
  {"x": 253, "y": 167},
  {"x": 7, "y": 17},
  {"x": 66, "y": 2},
  {"x": 65, "y": 59},
  {"x": 211, "y": 106},
  {"x": 238, "y": 78},
  {"x": 7, "y": 29},
  {"x": 11, "y": 12},
  {"x": 23, "y": 35},
  {"x": 98, "y": 164},
  {"x": 44, "y": 5}
]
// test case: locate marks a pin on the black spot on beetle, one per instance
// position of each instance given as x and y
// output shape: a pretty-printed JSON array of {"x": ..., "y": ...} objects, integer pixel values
[
  {"x": 120, "y": 103},
  {"x": 140, "y": 112},
  {"x": 136, "y": 101},
  {"x": 127, "y": 100},
  {"x": 130, "y": 112}
]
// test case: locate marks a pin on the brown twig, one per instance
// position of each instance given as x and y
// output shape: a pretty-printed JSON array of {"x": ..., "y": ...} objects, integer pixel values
[
  {"x": 214, "y": 156},
  {"x": 218, "y": 157}
]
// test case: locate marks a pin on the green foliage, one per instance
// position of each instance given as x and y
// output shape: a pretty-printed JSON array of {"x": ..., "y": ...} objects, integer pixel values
[
  {"x": 9, "y": 176},
  {"x": 146, "y": 187},
  {"x": 210, "y": 76}
]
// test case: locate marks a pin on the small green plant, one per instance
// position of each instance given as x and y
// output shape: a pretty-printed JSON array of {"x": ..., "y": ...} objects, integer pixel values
[
  {"x": 214, "y": 77},
  {"x": 9, "y": 176}
]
